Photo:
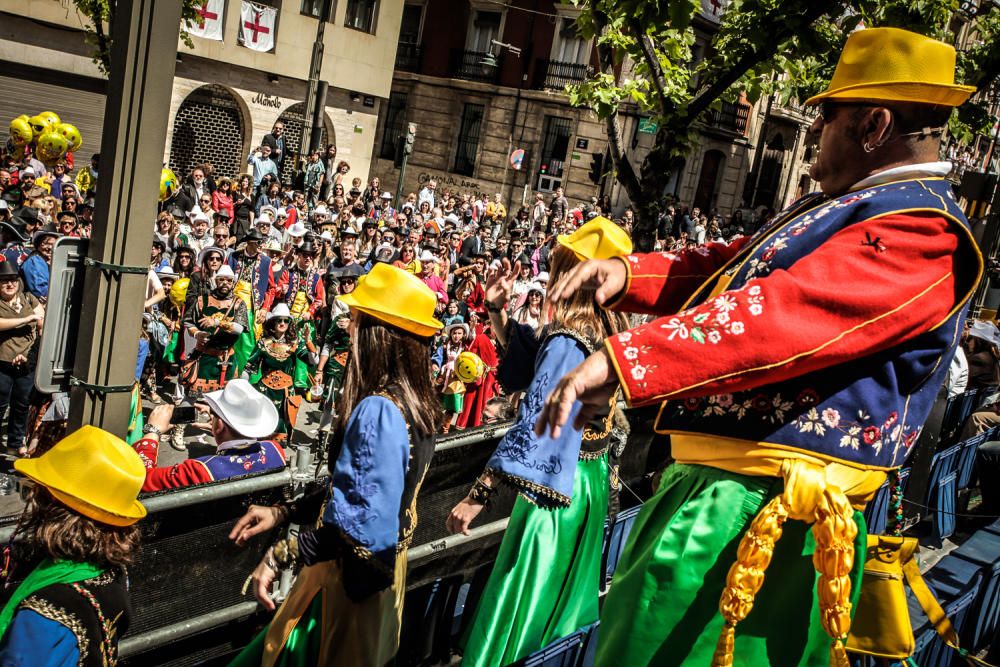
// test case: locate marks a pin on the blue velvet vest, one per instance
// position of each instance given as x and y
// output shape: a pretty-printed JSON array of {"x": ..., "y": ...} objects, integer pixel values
[
  {"x": 256, "y": 272},
  {"x": 867, "y": 413},
  {"x": 263, "y": 456}
]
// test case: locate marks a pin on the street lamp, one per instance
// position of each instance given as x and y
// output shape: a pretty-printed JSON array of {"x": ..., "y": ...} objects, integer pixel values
[{"x": 489, "y": 61}]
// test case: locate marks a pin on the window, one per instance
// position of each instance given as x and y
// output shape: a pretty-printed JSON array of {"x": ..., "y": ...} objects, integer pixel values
[
  {"x": 468, "y": 139},
  {"x": 361, "y": 15},
  {"x": 395, "y": 125},
  {"x": 409, "y": 27},
  {"x": 568, "y": 46},
  {"x": 485, "y": 28},
  {"x": 314, "y": 8},
  {"x": 555, "y": 146}
]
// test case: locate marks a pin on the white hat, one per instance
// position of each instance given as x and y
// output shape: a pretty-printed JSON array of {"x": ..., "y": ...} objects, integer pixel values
[
  {"x": 282, "y": 213},
  {"x": 458, "y": 325},
  {"x": 385, "y": 195},
  {"x": 542, "y": 277},
  {"x": 166, "y": 272},
  {"x": 298, "y": 229},
  {"x": 27, "y": 171},
  {"x": 268, "y": 209},
  {"x": 321, "y": 210},
  {"x": 428, "y": 256},
  {"x": 212, "y": 248},
  {"x": 535, "y": 286},
  {"x": 265, "y": 216},
  {"x": 225, "y": 272},
  {"x": 986, "y": 331},
  {"x": 197, "y": 214},
  {"x": 327, "y": 236},
  {"x": 3, "y": 205},
  {"x": 280, "y": 310},
  {"x": 244, "y": 409},
  {"x": 451, "y": 217}
]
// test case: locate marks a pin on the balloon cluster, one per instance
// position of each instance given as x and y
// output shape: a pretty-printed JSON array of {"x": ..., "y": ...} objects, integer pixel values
[{"x": 47, "y": 137}]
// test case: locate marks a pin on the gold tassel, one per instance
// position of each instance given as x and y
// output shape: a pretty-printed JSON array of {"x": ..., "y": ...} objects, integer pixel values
[
  {"x": 723, "y": 656},
  {"x": 838, "y": 655},
  {"x": 834, "y": 531}
]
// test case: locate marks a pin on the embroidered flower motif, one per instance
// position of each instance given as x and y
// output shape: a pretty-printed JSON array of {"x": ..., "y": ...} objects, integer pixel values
[
  {"x": 725, "y": 303},
  {"x": 890, "y": 420},
  {"x": 910, "y": 439},
  {"x": 831, "y": 418},
  {"x": 692, "y": 403},
  {"x": 625, "y": 336},
  {"x": 638, "y": 372},
  {"x": 724, "y": 400},
  {"x": 756, "y": 309},
  {"x": 810, "y": 422},
  {"x": 714, "y": 337},
  {"x": 871, "y": 434},
  {"x": 807, "y": 397},
  {"x": 736, "y": 328},
  {"x": 754, "y": 290},
  {"x": 630, "y": 353},
  {"x": 632, "y": 258},
  {"x": 676, "y": 328},
  {"x": 761, "y": 403},
  {"x": 722, "y": 318}
]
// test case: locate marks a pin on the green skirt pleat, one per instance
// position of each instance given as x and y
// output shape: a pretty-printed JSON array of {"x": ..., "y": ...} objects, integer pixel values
[
  {"x": 663, "y": 606},
  {"x": 546, "y": 580},
  {"x": 302, "y": 649}
]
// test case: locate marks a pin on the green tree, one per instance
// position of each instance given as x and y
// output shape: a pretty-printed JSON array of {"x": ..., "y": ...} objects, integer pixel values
[
  {"x": 788, "y": 47},
  {"x": 101, "y": 16}
]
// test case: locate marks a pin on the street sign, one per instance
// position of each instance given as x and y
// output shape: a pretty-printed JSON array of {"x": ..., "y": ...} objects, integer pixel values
[
  {"x": 647, "y": 126},
  {"x": 57, "y": 348}
]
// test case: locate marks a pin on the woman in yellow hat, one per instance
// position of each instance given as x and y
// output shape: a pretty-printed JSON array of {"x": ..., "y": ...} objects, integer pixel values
[
  {"x": 556, "y": 529},
  {"x": 347, "y": 602},
  {"x": 79, "y": 530}
]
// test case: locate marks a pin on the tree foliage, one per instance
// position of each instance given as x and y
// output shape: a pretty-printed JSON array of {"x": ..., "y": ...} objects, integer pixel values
[
  {"x": 649, "y": 59},
  {"x": 100, "y": 15}
]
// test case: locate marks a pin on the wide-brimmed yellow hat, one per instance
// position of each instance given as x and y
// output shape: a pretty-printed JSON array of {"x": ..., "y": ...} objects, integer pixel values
[
  {"x": 397, "y": 297},
  {"x": 598, "y": 239},
  {"x": 93, "y": 472},
  {"x": 893, "y": 65}
]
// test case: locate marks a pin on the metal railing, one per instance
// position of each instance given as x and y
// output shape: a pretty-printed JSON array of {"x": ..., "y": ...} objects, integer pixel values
[
  {"x": 468, "y": 65},
  {"x": 556, "y": 74},
  {"x": 731, "y": 117},
  {"x": 408, "y": 57}
]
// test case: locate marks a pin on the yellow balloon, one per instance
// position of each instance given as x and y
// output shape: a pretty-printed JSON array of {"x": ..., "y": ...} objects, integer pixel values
[
  {"x": 178, "y": 291},
  {"x": 50, "y": 147},
  {"x": 244, "y": 292},
  {"x": 25, "y": 117},
  {"x": 52, "y": 117},
  {"x": 39, "y": 125},
  {"x": 72, "y": 135},
  {"x": 21, "y": 133},
  {"x": 168, "y": 184},
  {"x": 469, "y": 367}
]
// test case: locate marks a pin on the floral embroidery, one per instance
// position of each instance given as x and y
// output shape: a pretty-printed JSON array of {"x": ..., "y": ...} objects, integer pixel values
[
  {"x": 855, "y": 433},
  {"x": 770, "y": 408}
]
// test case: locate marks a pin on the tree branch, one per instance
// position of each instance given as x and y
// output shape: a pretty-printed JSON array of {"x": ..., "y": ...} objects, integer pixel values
[
  {"x": 652, "y": 62},
  {"x": 727, "y": 77}
]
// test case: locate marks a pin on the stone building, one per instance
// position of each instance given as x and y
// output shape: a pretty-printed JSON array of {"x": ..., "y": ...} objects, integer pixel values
[{"x": 225, "y": 95}]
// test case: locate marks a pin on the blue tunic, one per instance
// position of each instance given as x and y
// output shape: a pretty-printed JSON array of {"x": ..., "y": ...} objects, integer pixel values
[{"x": 35, "y": 641}]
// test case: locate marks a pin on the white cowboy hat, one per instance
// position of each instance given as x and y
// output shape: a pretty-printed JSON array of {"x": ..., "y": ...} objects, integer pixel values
[
  {"x": 197, "y": 215},
  {"x": 281, "y": 310},
  {"x": 535, "y": 286},
  {"x": 327, "y": 236},
  {"x": 298, "y": 229},
  {"x": 459, "y": 325},
  {"x": 166, "y": 272},
  {"x": 244, "y": 409},
  {"x": 321, "y": 210},
  {"x": 428, "y": 256},
  {"x": 225, "y": 271},
  {"x": 268, "y": 209},
  {"x": 282, "y": 213}
]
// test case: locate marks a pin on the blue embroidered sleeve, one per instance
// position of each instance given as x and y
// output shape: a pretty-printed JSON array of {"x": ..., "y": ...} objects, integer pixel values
[
  {"x": 542, "y": 468},
  {"x": 369, "y": 475},
  {"x": 35, "y": 641},
  {"x": 36, "y": 276},
  {"x": 518, "y": 362}
]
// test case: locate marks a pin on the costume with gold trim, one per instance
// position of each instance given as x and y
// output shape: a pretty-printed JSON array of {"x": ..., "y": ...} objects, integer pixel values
[
  {"x": 791, "y": 377},
  {"x": 346, "y": 605}
]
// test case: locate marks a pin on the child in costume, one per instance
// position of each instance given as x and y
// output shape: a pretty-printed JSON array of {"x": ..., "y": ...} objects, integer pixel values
[
  {"x": 556, "y": 529},
  {"x": 346, "y": 605},
  {"x": 80, "y": 532},
  {"x": 452, "y": 388}
]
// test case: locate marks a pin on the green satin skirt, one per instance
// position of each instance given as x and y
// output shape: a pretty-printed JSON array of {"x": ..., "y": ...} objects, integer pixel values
[
  {"x": 663, "y": 606},
  {"x": 546, "y": 580},
  {"x": 302, "y": 648}
]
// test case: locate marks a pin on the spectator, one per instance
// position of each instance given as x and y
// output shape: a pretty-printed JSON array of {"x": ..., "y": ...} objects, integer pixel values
[
  {"x": 262, "y": 165},
  {"x": 276, "y": 142}
]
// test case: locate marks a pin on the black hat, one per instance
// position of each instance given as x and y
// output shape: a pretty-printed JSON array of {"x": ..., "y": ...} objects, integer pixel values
[
  {"x": 371, "y": 222},
  {"x": 252, "y": 235},
  {"x": 351, "y": 272},
  {"x": 307, "y": 246},
  {"x": 48, "y": 230},
  {"x": 8, "y": 270},
  {"x": 160, "y": 243},
  {"x": 66, "y": 214},
  {"x": 223, "y": 213}
]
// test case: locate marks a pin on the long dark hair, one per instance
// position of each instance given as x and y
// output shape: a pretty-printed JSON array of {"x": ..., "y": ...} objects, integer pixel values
[
  {"x": 58, "y": 532},
  {"x": 383, "y": 356}
]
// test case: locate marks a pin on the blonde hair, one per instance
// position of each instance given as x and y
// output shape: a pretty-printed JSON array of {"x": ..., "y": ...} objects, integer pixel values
[{"x": 580, "y": 312}]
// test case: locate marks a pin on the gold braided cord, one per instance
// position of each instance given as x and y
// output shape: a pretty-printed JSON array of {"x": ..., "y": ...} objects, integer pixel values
[
  {"x": 747, "y": 574},
  {"x": 806, "y": 497}
]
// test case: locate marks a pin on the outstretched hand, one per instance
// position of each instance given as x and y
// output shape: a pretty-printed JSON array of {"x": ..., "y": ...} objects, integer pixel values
[
  {"x": 592, "y": 383},
  {"x": 500, "y": 283},
  {"x": 606, "y": 276}
]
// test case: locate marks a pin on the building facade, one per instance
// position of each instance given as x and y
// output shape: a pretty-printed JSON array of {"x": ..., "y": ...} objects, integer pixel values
[{"x": 226, "y": 96}]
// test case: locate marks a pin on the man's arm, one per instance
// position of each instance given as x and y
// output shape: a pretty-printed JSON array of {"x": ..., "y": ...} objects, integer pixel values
[
  {"x": 186, "y": 473},
  {"x": 844, "y": 301}
]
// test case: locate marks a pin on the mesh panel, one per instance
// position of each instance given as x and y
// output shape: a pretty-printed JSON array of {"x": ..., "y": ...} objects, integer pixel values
[{"x": 208, "y": 128}]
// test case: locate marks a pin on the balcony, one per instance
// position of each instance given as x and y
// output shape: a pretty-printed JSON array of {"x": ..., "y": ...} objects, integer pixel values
[
  {"x": 408, "y": 57},
  {"x": 555, "y": 74},
  {"x": 731, "y": 117},
  {"x": 466, "y": 65}
]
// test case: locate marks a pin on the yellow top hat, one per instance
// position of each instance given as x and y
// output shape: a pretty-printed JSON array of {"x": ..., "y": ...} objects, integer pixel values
[
  {"x": 397, "y": 297},
  {"x": 93, "y": 472},
  {"x": 893, "y": 65},
  {"x": 598, "y": 239}
]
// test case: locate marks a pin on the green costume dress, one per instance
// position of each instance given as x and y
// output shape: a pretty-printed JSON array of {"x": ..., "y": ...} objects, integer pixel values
[
  {"x": 211, "y": 367},
  {"x": 273, "y": 362},
  {"x": 673, "y": 570},
  {"x": 546, "y": 580}
]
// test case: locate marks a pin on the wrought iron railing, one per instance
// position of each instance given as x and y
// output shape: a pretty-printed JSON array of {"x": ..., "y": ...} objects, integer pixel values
[
  {"x": 469, "y": 65},
  {"x": 555, "y": 74},
  {"x": 408, "y": 57},
  {"x": 732, "y": 117}
]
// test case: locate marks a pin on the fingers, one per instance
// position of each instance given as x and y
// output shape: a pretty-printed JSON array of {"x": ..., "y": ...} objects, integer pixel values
[
  {"x": 262, "y": 591},
  {"x": 240, "y": 525},
  {"x": 557, "y": 409},
  {"x": 572, "y": 281}
]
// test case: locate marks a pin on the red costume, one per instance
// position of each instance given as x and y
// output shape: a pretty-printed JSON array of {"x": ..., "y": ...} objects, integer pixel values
[{"x": 478, "y": 394}]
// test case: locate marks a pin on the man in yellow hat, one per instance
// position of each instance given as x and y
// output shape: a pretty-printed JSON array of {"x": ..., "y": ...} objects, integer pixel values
[
  {"x": 793, "y": 369},
  {"x": 80, "y": 520}
]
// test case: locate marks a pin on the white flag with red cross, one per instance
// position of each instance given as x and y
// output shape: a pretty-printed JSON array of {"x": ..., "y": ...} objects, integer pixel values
[
  {"x": 257, "y": 25},
  {"x": 208, "y": 22}
]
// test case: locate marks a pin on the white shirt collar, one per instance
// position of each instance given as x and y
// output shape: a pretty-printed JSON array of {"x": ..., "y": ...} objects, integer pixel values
[
  {"x": 906, "y": 172},
  {"x": 242, "y": 443}
]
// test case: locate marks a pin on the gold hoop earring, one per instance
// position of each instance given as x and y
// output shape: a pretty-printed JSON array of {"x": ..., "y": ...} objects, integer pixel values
[{"x": 868, "y": 148}]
